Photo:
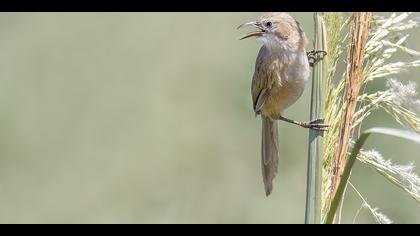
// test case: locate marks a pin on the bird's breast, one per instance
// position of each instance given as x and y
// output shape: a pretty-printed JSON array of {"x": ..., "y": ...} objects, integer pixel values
[{"x": 289, "y": 83}]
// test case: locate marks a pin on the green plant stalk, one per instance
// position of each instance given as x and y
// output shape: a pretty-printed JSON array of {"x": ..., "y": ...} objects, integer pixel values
[
  {"x": 314, "y": 171},
  {"x": 344, "y": 178}
]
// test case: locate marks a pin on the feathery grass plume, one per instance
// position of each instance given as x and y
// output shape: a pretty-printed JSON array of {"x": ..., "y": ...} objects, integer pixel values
[
  {"x": 335, "y": 27},
  {"x": 353, "y": 79},
  {"x": 400, "y": 101},
  {"x": 379, "y": 217},
  {"x": 345, "y": 110},
  {"x": 353, "y": 82},
  {"x": 400, "y": 175},
  {"x": 355, "y": 152}
]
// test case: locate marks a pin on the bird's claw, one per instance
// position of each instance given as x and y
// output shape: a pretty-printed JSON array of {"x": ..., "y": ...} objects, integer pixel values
[
  {"x": 317, "y": 124},
  {"x": 315, "y": 56}
]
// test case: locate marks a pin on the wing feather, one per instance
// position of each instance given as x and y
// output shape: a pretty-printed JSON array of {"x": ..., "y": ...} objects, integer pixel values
[{"x": 262, "y": 81}]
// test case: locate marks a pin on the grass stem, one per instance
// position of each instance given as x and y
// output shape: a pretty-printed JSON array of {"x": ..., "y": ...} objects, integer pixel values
[{"x": 314, "y": 171}]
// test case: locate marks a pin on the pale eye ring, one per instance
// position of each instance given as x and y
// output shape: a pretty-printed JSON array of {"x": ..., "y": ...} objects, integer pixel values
[{"x": 268, "y": 24}]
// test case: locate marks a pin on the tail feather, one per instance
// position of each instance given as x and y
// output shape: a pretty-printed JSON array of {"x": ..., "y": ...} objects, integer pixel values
[{"x": 269, "y": 152}]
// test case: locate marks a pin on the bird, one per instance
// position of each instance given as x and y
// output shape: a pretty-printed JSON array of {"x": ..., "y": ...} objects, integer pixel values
[{"x": 282, "y": 70}]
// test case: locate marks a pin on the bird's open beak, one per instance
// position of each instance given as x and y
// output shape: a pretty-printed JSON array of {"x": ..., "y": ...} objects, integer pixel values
[{"x": 254, "y": 33}]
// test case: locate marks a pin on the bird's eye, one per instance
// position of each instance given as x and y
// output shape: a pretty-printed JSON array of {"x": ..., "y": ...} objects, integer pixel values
[{"x": 268, "y": 24}]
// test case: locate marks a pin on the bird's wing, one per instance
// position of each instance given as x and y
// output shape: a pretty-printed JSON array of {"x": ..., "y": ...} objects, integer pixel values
[
  {"x": 260, "y": 100},
  {"x": 262, "y": 81}
]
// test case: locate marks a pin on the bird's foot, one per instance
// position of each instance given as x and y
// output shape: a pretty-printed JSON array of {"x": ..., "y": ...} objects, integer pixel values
[
  {"x": 317, "y": 124},
  {"x": 315, "y": 56}
]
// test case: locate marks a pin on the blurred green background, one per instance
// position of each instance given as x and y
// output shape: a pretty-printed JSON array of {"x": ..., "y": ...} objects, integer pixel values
[{"x": 147, "y": 118}]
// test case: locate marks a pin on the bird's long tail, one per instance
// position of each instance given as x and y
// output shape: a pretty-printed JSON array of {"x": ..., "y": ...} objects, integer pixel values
[{"x": 269, "y": 152}]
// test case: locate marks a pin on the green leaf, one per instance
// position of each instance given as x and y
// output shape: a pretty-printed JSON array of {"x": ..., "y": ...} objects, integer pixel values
[{"x": 405, "y": 134}]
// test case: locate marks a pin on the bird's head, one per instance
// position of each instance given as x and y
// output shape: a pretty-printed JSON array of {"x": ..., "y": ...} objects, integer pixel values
[{"x": 278, "y": 29}]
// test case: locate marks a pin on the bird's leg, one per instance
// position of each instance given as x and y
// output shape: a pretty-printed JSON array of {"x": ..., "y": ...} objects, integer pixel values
[
  {"x": 317, "y": 124},
  {"x": 315, "y": 56}
]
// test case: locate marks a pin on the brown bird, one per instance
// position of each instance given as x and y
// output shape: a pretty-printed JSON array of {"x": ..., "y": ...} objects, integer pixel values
[{"x": 281, "y": 72}]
